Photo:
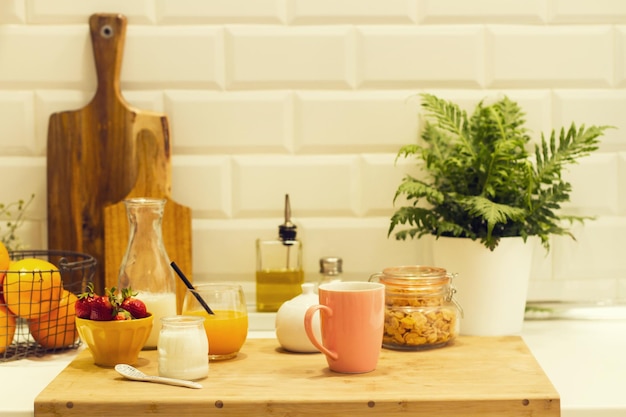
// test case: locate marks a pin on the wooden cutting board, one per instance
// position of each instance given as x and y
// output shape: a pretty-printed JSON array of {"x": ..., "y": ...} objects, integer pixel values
[
  {"x": 476, "y": 376},
  {"x": 92, "y": 159},
  {"x": 153, "y": 180}
]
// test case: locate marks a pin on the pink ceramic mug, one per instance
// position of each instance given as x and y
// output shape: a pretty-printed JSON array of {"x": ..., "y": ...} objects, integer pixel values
[{"x": 352, "y": 319}]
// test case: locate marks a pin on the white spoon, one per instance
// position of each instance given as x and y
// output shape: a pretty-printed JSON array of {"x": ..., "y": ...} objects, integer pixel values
[{"x": 135, "y": 374}]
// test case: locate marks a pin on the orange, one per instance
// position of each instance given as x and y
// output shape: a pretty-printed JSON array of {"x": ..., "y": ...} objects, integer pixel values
[
  {"x": 57, "y": 329},
  {"x": 5, "y": 260},
  {"x": 7, "y": 328},
  {"x": 32, "y": 287}
]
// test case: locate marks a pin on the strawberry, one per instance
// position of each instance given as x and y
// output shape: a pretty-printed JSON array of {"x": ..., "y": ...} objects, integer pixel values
[
  {"x": 134, "y": 306},
  {"x": 122, "y": 315},
  {"x": 83, "y": 307},
  {"x": 104, "y": 308},
  {"x": 83, "y": 304}
]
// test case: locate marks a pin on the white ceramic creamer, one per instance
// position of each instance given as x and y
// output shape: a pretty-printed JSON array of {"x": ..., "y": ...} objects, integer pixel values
[{"x": 290, "y": 321}]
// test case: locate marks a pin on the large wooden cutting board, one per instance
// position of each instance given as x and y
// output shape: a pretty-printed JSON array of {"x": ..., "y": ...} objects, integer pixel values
[
  {"x": 476, "y": 376},
  {"x": 153, "y": 180},
  {"x": 91, "y": 152}
]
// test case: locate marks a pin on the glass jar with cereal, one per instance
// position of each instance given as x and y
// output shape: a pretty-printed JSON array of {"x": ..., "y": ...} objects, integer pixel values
[{"x": 420, "y": 311}]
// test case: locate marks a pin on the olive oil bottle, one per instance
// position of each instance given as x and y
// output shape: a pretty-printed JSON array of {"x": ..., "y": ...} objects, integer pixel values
[{"x": 279, "y": 274}]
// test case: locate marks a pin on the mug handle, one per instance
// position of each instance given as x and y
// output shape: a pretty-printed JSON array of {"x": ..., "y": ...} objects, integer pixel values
[{"x": 308, "y": 328}]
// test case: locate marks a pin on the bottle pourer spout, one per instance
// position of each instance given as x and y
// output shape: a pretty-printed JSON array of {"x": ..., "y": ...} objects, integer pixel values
[
  {"x": 287, "y": 230},
  {"x": 287, "y": 211}
]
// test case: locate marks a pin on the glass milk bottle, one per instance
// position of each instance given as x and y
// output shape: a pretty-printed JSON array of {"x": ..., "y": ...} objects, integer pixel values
[
  {"x": 145, "y": 266},
  {"x": 183, "y": 348}
]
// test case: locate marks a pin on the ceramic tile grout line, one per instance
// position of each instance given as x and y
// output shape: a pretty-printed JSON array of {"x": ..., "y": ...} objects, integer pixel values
[{"x": 279, "y": 273}]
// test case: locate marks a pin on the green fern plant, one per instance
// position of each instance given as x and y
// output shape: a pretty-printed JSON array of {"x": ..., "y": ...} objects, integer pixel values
[{"x": 480, "y": 181}]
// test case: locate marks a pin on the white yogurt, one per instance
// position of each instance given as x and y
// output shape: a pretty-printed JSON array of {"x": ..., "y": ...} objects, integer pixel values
[{"x": 183, "y": 348}]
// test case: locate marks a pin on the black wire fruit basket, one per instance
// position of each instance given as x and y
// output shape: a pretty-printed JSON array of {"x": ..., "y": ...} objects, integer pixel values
[{"x": 37, "y": 296}]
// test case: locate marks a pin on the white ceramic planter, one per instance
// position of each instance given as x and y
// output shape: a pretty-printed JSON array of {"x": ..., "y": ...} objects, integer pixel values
[{"x": 491, "y": 285}]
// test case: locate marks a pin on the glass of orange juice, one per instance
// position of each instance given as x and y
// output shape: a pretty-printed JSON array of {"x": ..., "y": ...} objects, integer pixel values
[{"x": 227, "y": 329}]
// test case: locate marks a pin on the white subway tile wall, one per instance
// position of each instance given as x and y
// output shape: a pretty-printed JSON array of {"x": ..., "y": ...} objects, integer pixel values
[{"x": 314, "y": 98}]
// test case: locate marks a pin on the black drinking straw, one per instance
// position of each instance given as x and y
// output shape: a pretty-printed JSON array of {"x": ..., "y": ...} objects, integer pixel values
[{"x": 188, "y": 284}]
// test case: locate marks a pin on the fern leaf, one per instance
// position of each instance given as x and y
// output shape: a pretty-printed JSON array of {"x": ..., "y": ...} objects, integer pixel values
[
  {"x": 572, "y": 145},
  {"x": 413, "y": 188},
  {"x": 492, "y": 213}
]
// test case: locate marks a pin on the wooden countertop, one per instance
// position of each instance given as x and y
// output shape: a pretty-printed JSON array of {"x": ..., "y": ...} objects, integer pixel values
[{"x": 481, "y": 376}]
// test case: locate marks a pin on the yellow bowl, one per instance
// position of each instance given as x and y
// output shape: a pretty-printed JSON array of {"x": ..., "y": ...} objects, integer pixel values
[{"x": 116, "y": 341}]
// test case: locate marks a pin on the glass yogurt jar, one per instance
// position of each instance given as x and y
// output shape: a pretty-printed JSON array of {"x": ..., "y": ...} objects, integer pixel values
[
  {"x": 183, "y": 348},
  {"x": 420, "y": 310}
]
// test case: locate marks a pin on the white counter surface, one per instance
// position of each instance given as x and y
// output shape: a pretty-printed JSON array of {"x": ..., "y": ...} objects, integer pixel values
[{"x": 585, "y": 360}]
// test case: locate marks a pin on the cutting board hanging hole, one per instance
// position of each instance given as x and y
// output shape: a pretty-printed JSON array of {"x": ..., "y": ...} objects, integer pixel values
[{"x": 106, "y": 31}]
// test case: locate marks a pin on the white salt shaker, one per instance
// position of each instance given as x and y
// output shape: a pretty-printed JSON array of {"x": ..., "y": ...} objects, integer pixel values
[{"x": 183, "y": 348}]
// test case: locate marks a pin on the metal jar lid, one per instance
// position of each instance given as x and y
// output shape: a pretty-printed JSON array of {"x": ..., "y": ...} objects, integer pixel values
[{"x": 331, "y": 265}]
